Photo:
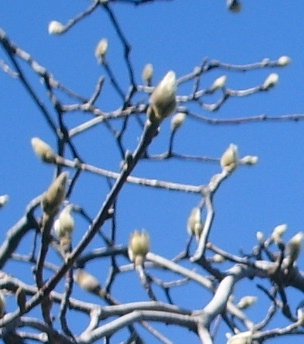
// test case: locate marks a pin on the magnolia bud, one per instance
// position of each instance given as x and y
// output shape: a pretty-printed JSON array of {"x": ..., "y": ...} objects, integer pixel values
[
  {"x": 101, "y": 50},
  {"x": 162, "y": 100},
  {"x": 219, "y": 83},
  {"x": 55, "y": 194},
  {"x": 234, "y": 6},
  {"x": 260, "y": 237},
  {"x": 246, "y": 302},
  {"x": 293, "y": 248},
  {"x": 87, "y": 282},
  {"x": 270, "y": 81},
  {"x": 139, "y": 246},
  {"x": 3, "y": 200},
  {"x": 278, "y": 232},
  {"x": 43, "y": 150},
  {"x": 195, "y": 225},
  {"x": 55, "y": 28},
  {"x": 218, "y": 258},
  {"x": 177, "y": 120},
  {"x": 241, "y": 338},
  {"x": 2, "y": 304},
  {"x": 229, "y": 159},
  {"x": 147, "y": 74},
  {"x": 21, "y": 299},
  {"x": 64, "y": 225},
  {"x": 249, "y": 160},
  {"x": 283, "y": 61}
]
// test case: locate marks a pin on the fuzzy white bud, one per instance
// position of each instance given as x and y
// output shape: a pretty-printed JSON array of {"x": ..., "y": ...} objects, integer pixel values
[
  {"x": 218, "y": 258},
  {"x": 55, "y": 194},
  {"x": 65, "y": 223},
  {"x": 87, "y": 281},
  {"x": 219, "y": 83},
  {"x": 229, "y": 159},
  {"x": 293, "y": 248},
  {"x": 241, "y": 338},
  {"x": 101, "y": 50},
  {"x": 43, "y": 150},
  {"x": 162, "y": 100},
  {"x": 3, "y": 200},
  {"x": 177, "y": 120},
  {"x": 147, "y": 74},
  {"x": 270, "y": 81},
  {"x": 195, "y": 224},
  {"x": 139, "y": 246},
  {"x": 249, "y": 160},
  {"x": 260, "y": 237},
  {"x": 55, "y": 28},
  {"x": 246, "y": 302},
  {"x": 278, "y": 232},
  {"x": 283, "y": 61}
]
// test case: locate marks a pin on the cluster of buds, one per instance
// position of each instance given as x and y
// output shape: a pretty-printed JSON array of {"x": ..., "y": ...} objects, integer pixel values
[
  {"x": 195, "y": 224},
  {"x": 139, "y": 246},
  {"x": 163, "y": 98},
  {"x": 55, "y": 194},
  {"x": 43, "y": 150}
]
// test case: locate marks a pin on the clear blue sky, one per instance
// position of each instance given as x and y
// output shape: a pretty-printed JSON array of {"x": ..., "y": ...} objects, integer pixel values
[{"x": 173, "y": 35}]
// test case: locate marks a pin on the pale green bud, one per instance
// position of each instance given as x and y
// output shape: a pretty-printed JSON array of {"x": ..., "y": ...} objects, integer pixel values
[
  {"x": 270, "y": 81},
  {"x": 284, "y": 61},
  {"x": 246, "y": 302},
  {"x": 195, "y": 224},
  {"x": 43, "y": 150},
  {"x": 147, "y": 73},
  {"x": 55, "y": 28},
  {"x": 162, "y": 100},
  {"x": 139, "y": 246},
  {"x": 55, "y": 194},
  {"x": 177, "y": 120},
  {"x": 101, "y": 49},
  {"x": 229, "y": 159}
]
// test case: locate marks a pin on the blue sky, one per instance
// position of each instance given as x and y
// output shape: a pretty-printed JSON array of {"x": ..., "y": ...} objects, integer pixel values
[{"x": 173, "y": 35}]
